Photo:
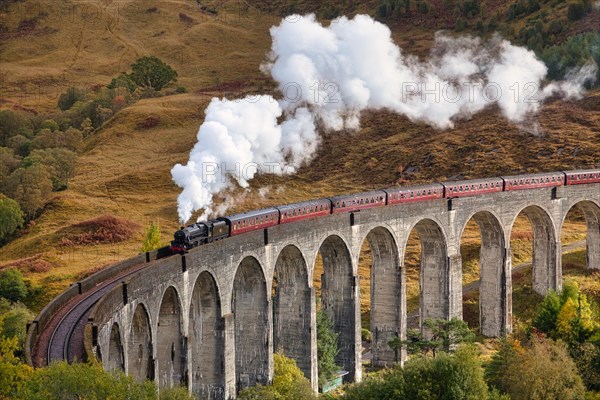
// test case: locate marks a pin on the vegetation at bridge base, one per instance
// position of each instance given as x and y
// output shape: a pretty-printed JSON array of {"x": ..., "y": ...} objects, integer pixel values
[
  {"x": 61, "y": 380},
  {"x": 440, "y": 335},
  {"x": 327, "y": 347},
  {"x": 288, "y": 383}
]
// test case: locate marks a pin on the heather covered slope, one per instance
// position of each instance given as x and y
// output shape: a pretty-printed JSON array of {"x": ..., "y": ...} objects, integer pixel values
[{"x": 124, "y": 170}]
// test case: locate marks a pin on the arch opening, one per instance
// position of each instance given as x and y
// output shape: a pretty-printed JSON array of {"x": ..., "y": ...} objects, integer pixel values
[
  {"x": 293, "y": 304},
  {"x": 486, "y": 303},
  {"x": 140, "y": 346},
  {"x": 251, "y": 325},
  {"x": 170, "y": 353},
  {"x": 427, "y": 280},
  {"x": 335, "y": 285},
  {"x": 533, "y": 245},
  {"x": 115, "y": 350},
  {"x": 380, "y": 295},
  {"x": 581, "y": 223},
  {"x": 206, "y": 339}
]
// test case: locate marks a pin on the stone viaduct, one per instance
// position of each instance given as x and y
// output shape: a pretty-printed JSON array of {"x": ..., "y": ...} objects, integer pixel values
[{"x": 213, "y": 318}]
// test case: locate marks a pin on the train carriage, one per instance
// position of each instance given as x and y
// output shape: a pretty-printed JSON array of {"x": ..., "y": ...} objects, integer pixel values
[
  {"x": 582, "y": 176},
  {"x": 358, "y": 201},
  {"x": 305, "y": 210},
  {"x": 252, "y": 220},
  {"x": 410, "y": 194},
  {"x": 472, "y": 187},
  {"x": 534, "y": 181}
]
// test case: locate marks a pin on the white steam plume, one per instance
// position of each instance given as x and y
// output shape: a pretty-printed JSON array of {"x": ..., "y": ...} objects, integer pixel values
[
  {"x": 237, "y": 139},
  {"x": 328, "y": 75}
]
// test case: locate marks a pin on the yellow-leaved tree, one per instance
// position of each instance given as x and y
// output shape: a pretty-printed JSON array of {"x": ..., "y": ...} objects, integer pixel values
[{"x": 152, "y": 241}]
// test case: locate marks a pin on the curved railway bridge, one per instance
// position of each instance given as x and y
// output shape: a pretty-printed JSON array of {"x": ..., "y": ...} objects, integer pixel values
[{"x": 211, "y": 318}]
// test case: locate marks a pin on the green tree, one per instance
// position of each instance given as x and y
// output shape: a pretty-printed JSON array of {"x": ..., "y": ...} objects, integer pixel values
[
  {"x": 123, "y": 81},
  {"x": 385, "y": 385},
  {"x": 13, "y": 320},
  {"x": 543, "y": 371},
  {"x": 587, "y": 358},
  {"x": 446, "y": 376},
  {"x": 151, "y": 72},
  {"x": 439, "y": 335},
  {"x": 70, "y": 97},
  {"x": 152, "y": 241},
  {"x": 83, "y": 381},
  {"x": 13, "y": 123},
  {"x": 497, "y": 372},
  {"x": 288, "y": 383},
  {"x": 327, "y": 347},
  {"x": 567, "y": 316},
  {"x": 19, "y": 144},
  {"x": 30, "y": 187},
  {"x": 575, "y": 322},
  {"x": 546, "y": 314},
  {"x": 12, "y": 286},
  {"x": 11, "y": 217},
  {"x": 576, "y": 10},
  {"x": 13, "y": 373},
  {"x": 8, "y": 163},
  {"x": 59, "y": 162},
  {"x": 71, "y": 139}
]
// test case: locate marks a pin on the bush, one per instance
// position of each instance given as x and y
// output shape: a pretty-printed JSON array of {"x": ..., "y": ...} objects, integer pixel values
[{"x": 12, "y": 286}]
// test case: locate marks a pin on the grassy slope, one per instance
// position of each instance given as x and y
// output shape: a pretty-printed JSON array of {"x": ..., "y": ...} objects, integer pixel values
[{"x": 125, "y": 170}]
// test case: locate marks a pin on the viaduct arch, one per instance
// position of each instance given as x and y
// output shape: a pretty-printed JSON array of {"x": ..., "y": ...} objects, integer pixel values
[{"x": 211, "y": 319}]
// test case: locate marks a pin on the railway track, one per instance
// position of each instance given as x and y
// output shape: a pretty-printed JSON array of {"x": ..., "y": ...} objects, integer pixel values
[{"x": 63, "y": 337}]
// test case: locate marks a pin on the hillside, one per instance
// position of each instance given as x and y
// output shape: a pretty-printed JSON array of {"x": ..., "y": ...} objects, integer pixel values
[{"x": 124, "y": 170}]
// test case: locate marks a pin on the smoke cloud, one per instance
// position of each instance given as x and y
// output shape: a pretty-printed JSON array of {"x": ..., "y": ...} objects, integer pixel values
[{"x": 328, "y": 75}]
